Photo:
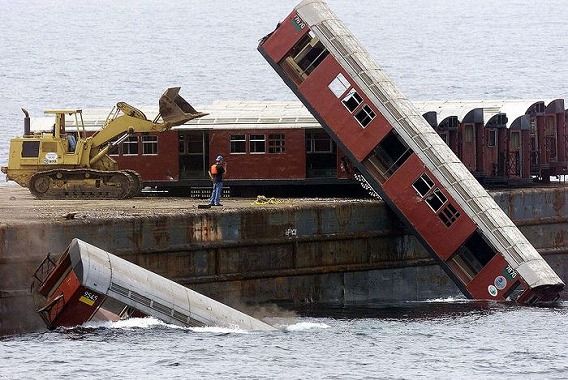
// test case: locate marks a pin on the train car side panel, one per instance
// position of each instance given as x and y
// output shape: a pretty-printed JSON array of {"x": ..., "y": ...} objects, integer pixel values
[
  {"x": 359, "y": 140},
  {"x": 286, "y": 35},
  {"x": 154, "y": 156},
  {"x": 495, "y": 280},
  {"x": 418, "y": 195},
  {"x": 262, "y": 154}
]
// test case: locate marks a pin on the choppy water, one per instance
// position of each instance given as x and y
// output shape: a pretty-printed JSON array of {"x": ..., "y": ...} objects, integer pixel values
[
  {"x": 427, "y": 340},
  {"x": 94, "y": 53}
]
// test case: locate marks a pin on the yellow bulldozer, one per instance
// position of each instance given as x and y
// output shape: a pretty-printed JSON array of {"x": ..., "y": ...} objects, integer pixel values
[{"x": 61, "y": 164}]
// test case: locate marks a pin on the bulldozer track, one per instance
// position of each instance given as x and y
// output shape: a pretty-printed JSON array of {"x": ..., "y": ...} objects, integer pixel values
[{"x": 85, "y": 184}]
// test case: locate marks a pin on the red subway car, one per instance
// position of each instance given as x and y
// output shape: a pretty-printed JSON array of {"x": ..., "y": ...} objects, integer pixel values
[
  {"x": 279, "y": 148},
  {"x": 403, "y": 159}
]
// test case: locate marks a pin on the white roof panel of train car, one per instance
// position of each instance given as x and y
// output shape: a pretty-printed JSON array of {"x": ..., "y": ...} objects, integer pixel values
[
  {"x": 460, "y": 108},
  {"x": 222, "y": 114},
  {"x": 272, "y": 114}
]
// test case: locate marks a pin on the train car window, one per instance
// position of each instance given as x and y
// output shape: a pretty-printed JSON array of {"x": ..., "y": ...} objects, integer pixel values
[
  {"x": 352, "y": 100},
  {"x": 436, "y": 200},
  {"x": 449, "y": 215},
  {"x": 318, "y": 142},
  {"x": 423, "y": 185},
  {"x": 365, "y": 115},
  {"x": 195, "y": 143},
  {"x": 389, "y": 155},
  {"x": 516, "y": 140},
  {"x": 305, "y": 56},
  {"x": 339, "y": 85},
  {"x": 492, "y": 138},
  {"x": 116, "y": 150},
  {"x": 276, "y": 143},
  {"x": 468, "y": 133},
  {"x": 149, "y": 144},
  {"x": 30, "y": 149},
  {"x": 130, "y": 146},
  {"x": 257, "y": 144},
  {"x": 472, "y": 256},
  {"x": 238, "y": 144}
]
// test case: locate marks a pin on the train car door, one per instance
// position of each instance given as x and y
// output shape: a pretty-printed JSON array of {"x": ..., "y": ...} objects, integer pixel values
[
  {"x": 321, "y": 154},
  {"x": 193, "y": 154}
]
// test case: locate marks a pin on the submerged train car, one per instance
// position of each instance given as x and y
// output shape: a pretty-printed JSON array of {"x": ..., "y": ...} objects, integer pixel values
[
  {"x": 404, "y": 160},
  {"x": 89, "y": 284}
]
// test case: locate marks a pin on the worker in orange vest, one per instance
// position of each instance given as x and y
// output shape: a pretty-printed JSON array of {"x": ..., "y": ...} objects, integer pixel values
[{"x": 216, "y": 174}]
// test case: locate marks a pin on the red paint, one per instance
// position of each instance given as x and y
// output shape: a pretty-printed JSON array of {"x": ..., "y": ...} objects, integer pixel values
[
  {"x": 161, "y": 167},
  {"x": 443, "y": 240},
  {"x": 291, "y": 164},
  {"x": 71, "y": 311},
  {"x": 467, "y": 150},
  {"x": 478, "y": 287},
  {"x": 358, "y": 140},
  {"x": 286, "y": 35}
]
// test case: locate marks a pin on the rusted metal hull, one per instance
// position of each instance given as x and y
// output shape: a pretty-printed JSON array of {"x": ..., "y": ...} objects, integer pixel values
[{"x": 352, "y": 252}]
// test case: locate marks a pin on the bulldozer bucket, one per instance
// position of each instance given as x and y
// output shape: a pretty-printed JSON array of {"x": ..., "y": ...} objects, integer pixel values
[{"x": 175, "y": 110}]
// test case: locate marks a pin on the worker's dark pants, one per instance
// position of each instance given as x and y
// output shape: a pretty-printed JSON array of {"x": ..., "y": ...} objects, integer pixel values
[{"x": 215, "y": 198}]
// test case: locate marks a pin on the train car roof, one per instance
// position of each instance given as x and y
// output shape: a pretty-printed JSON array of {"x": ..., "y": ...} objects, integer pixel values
[
  {"x": 251, "y": 114},
  {"x": 461, "y": 108}
]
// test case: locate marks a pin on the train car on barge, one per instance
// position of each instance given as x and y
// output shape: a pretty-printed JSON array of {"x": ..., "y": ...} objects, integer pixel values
[
  {"x": 405, "y": 160},
  {"x": 279, "y": 148}
]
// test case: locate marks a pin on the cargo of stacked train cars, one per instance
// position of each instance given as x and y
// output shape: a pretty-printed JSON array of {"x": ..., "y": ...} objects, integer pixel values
[
  {"x": 278, "y": 148},
  {"x": 504, "y": 142}
]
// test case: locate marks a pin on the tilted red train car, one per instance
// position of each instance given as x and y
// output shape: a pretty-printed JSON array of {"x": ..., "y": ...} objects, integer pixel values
[{"x": 406, "y": 162}]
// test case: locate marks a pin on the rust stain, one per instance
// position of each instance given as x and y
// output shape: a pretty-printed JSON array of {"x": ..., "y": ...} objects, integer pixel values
[
  {"x": 559, "y": 201},
  {"x": 559, "y": 239},
  {"x": 344, "y": 216},
  {"x": 161, "y": 231},
  {"x": 205, "y": 229}
]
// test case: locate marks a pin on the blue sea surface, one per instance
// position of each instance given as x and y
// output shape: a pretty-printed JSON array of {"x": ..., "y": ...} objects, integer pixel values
[
  {"x": 444, "y": 339},
  {"x": 87, "y": 54}
]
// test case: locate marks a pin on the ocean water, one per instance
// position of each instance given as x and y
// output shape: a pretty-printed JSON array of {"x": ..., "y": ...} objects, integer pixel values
[
  {"x": 56, "y": 54},
  {"x": 444, "y": 339}
]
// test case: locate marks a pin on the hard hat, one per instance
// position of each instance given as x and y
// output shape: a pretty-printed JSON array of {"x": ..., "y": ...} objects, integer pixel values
[{"x": 219, "y": 159}]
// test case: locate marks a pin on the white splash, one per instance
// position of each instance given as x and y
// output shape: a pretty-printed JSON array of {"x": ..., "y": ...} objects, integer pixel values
[
  {"x": 302, "y": 326},
  {"x": 151, "y": 322},
  {"x": 219, "y": 330},
  {"x": 130, "y": 323},
  {"x": 456, "y": 299}
]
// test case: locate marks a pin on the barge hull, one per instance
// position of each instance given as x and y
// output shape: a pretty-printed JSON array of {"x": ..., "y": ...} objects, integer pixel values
[{"x": 295, "y": 253}]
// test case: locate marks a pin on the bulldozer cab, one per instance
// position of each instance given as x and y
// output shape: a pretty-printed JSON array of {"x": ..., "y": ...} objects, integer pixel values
[{"x": 68, "y": 136}]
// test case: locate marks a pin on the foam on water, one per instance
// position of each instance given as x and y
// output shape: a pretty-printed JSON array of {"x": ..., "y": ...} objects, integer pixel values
[
  {"x": 151, "y": 323},
  {"x": 304, "y": 326},
  {"x": 219, "y": 330},
  {"x": 130, "y": 323}
]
